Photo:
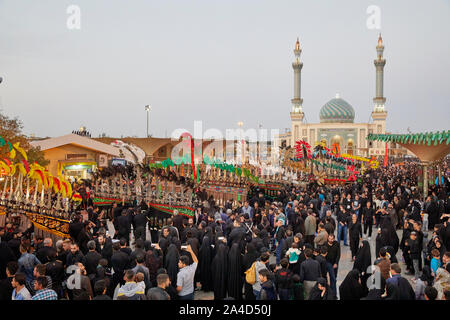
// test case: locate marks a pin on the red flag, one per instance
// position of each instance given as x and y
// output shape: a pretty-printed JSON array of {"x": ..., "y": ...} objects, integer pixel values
[{"x": 386, "y": 156}]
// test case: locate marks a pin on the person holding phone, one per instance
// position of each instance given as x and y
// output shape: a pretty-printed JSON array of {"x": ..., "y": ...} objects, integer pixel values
[{"x": 185, "y": 277}]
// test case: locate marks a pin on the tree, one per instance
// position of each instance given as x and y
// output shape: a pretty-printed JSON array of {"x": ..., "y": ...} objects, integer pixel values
[{"x": 11, "y": 130}]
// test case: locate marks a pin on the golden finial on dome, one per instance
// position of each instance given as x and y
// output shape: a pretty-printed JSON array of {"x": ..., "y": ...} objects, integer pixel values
[{"x": 297, "y": 45}]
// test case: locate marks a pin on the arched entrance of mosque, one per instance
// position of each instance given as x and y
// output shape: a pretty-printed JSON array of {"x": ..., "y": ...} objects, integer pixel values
[
  {"x": 337, "y": 139},
  {"x": 350, "y": 145}
]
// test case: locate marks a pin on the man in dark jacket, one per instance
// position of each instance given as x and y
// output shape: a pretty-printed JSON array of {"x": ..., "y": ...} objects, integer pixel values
[
  {"x": 14, "y": 243},
  {"x": 343, "y": 218},
  {"x": 320, "y": 255},
  {"x": 355, "y": 233},
  {"x": 178, "y": 221},
  {"x": 124, "y": 226},
  {"x": 309, "y": 272},
  {"x": 267, "y": 287},
  {"x": 283, "y": 280},
  {"x": 75, "y": 255},
  {"x": 140, "y": 222},
  {"x": 159, "y": 292},
  {"x": 333, "y": 256},
  {"x": 368, "y": 217},
  {"x": 103, "y": 245},
  {"x": 414, "y": 253},
  {"x": 257, "y": 241},
  {"x": 92, "y": 258},
  {"x": 6, "y": 288},
  {"x": 100, "y": 289},
  {"x": 43, "y": 253},
  {"x": 280, "y": 236},
  {"x": 75, "y": 227},
  {"x": 84, "y": 237},
  {"x": 119, "y": 262}
]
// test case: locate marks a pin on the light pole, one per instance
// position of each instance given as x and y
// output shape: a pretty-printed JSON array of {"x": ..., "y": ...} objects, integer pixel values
[
  {"x": 147, "y": 108},
  {"x": 241, "y": 124}
]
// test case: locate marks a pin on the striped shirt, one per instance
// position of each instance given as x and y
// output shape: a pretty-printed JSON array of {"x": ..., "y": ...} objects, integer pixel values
[{"x": 45, "y": 294}]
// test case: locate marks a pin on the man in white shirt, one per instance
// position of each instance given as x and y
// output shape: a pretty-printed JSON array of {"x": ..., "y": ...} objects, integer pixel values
[
  {"x": 20, "y": 292},
  {"x": 185, "y": 277}
]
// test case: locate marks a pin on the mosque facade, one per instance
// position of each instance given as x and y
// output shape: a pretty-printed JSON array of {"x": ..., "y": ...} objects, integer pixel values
[{"x": 337, "y": 117}]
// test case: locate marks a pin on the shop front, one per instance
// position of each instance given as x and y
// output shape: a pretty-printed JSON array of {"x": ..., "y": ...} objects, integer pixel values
[{"x": 74, "y": 171}]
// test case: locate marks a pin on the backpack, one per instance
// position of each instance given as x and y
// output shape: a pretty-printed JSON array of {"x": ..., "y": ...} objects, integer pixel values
[{"x": 250, "y": 274}]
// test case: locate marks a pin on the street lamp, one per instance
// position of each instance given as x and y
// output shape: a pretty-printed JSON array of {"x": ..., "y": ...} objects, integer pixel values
[{"x": 147, "y": 108}]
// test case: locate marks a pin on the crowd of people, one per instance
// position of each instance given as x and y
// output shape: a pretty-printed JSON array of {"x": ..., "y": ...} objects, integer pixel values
[{"x": 287, "y": 247}]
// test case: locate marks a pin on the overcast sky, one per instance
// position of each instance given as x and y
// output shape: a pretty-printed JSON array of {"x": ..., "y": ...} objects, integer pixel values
[{"x": 219, "y": 61}]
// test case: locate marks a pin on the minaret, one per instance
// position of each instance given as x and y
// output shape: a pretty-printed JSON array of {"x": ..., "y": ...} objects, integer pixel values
[
  {"x": 297, "y": 114},
  {"x": 297, "y": 66},
  {"x": 379, "y": 63},
  {"x": 379, "y": 114}
]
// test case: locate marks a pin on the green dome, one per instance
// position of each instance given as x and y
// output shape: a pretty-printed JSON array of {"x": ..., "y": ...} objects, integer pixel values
[{"x": 337, "y": 110}]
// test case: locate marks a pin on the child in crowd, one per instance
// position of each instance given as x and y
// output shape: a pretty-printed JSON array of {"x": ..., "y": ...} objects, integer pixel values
[
  {"x": 293, "y": 254},
  {"x": 435, "y": 261}
]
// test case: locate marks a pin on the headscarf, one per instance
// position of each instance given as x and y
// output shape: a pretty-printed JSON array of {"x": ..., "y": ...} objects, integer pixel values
[
  {"x": 235, "y": 272},
  {"x": 390, "y": 235},
  {"x": 363, "y": 258},
  {"x": 350, "y": 288},
  {"x": 426, "y": 276},
  {"x": 219, "y": 269},
  {"x": 171, "y": 262},
  {"x": 204, "y": 265}
]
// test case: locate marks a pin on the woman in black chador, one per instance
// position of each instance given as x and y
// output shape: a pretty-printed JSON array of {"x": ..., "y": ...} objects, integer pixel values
[
  {"x": 250, "y": 256},
  {"x": 351, "y": 288},
  {"x": 235, "y": 272},
  {"x": 362, "y": 262},
  {"x": 171, "y": 262},
  {"x": 204, "y": 267},
  {"x": 388, "y": 237},
  {"x": 219, "y": 271}
]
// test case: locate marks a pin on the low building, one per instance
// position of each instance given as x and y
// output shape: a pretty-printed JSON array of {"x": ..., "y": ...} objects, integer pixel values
[{"x": 75, "y": 156}]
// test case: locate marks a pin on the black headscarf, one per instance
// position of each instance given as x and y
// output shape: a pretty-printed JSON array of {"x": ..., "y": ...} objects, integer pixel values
[
  {"x": 250, "y": 256},
  {"x": 363, "y": 258},
  {"x": 219, "y": 269},
  {"x": 164, "y": 244},
  {"x": 235, "y": 272},
  {"x": 405, "y": 291},
  {"x": 426, "y": 276},
  {"x": 171, "y": 262},
  {"x": 316, "y": 293},
  {"x": 350, "y": 288},
  {"x": 389, "y": 235},
  {"x": 204, "y": 263}
]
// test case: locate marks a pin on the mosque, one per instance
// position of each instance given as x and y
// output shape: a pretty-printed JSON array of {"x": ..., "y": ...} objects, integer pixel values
[{"x": 337, "y": 117}]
